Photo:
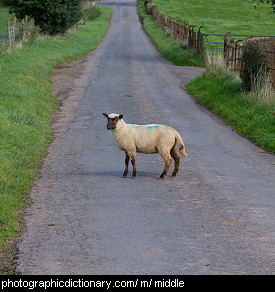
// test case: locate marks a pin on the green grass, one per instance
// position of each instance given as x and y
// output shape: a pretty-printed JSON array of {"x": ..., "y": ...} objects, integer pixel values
[
  {"x": 167, "y": 45},
  {"x": 4, "y": 17},
  {"x": 219, "y": 17},
  {"x": 26, "y": 107},
  {"x": 235, "y": 16}
]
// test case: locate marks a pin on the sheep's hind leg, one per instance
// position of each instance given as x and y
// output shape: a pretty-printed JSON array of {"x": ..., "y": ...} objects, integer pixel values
[
  {"x": 168, "y": 159},
  {"x": 176, "y": 158},
  {"x": 127, "y": 158}
]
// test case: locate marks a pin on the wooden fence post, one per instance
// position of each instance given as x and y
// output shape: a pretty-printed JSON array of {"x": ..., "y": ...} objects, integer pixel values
[
  {"x": 14, "y": 30},
  {"x": 226, "y": 48},
  {"x": 9, "y": 34},
  {"x": 190, "y": 36},
  {"x": 239, "y": 59},
  {"x": 232, "y": 50},
  {"x": 200, "y": 41},
  {"x": 24, "y": 28},
  {"x": 194, "y": 36}
]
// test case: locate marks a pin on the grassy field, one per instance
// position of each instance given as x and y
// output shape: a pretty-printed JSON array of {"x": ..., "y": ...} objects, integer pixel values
[
  {"x": 26, "y": 107},
  {"x": 219, "y": 17},
  {"x": 235, "y": 16}
]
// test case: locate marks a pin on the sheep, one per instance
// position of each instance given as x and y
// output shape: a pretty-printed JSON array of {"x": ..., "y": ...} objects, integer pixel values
[{"x": 148, "y": 139}]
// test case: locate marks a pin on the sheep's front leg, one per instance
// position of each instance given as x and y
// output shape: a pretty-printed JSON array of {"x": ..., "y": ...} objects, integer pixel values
[
  {"x": 132, "y": 155},
  {"x": 134, "y": 168},
  {"x": 127, "y": 158}
]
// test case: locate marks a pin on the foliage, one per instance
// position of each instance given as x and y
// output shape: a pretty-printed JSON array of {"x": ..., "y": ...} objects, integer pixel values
[
  {"x": 91, "y": 13},
  {"x": 272, "y": 4},
  {"x": 52, "y": 16},
  {"x": 149, "y": 7},
  {"x": 255, "y": 60}
]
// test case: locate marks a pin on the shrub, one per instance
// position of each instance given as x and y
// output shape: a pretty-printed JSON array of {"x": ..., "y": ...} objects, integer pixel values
[
  {"x": 91, "y": 13},
  {"x": 255, "y": 60},
  {"x": 52, "y": 16}
]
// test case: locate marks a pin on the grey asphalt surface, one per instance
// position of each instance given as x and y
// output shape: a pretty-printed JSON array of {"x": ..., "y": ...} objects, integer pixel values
[{"x": 215, "y": 217}]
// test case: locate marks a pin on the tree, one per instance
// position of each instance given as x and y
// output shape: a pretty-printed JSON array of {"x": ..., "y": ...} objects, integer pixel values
[{"x": 52, "y": 16}]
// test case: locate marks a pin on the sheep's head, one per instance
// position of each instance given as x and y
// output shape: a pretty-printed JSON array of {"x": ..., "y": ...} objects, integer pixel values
[{"x": 112, "y": 120}]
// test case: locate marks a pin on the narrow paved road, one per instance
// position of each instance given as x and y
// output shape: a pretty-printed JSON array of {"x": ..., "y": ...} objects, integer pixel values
[{"x": 215, "y": 217}]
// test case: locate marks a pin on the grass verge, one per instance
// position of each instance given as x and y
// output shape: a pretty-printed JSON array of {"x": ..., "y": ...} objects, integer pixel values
[
  {"x": 169, "y": 47},
  {"x": 26, "y": 107}
]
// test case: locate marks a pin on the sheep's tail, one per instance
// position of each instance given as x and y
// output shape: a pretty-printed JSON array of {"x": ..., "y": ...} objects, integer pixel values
[{"x": 181, "y": 145}]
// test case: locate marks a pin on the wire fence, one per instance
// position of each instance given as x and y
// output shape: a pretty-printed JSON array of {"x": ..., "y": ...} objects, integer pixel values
[{"x": 17, "y": 31}]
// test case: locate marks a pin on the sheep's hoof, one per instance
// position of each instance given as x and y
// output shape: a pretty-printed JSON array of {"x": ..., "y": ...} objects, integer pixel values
[
  {"x": 133, "y": 177},
  {"x": 160, "y": 178},
  {"x": 124, "y": 176},
  {"x": 162, "y": 175}
]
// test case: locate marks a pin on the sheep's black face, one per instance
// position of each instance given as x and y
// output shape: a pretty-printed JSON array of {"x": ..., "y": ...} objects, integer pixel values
[{"x": 112, "y": 121}]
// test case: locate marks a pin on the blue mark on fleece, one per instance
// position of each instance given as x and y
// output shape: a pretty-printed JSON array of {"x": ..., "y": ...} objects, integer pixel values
[
  {"x": 152, "y": 127},
  {"x": 149, "y": 127}
]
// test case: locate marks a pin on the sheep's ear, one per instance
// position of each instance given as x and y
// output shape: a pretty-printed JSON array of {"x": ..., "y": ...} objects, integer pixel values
[
  {"x": 120, "y": 116},
  {"x": 105, "y": 115}
]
